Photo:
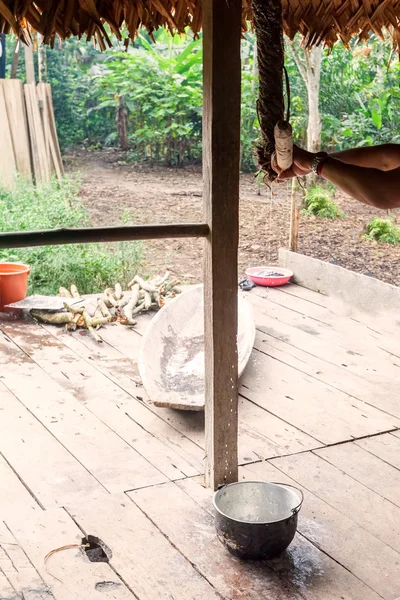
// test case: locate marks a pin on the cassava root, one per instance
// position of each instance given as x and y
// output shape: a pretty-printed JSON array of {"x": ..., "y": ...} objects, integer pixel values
[{"x": 112, "y": 305}]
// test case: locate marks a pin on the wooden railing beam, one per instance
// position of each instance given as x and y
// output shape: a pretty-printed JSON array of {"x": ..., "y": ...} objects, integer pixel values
[{"x": 54, "y": 237}]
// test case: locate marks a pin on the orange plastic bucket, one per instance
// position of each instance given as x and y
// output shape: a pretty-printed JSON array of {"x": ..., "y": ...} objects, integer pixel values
[{"x": 13, "y": 283}]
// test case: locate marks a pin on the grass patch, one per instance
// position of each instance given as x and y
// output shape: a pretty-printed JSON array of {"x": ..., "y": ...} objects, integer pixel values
[
  {"x": 91, "y": 267},
  {"x": 318, "y": 202},
  {"x": 382, "y": 230}
]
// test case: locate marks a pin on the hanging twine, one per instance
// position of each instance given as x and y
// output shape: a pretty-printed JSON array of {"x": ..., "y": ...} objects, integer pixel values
[{"x": 267, "y": 17}]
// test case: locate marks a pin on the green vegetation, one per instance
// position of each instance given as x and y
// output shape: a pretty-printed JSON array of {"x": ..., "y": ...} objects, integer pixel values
[
  {"x": 92, "y": 267},
  {"x": 382, "y": 230},
  {"x": 359, "y": 97},
  {"x": 318, "y": 202},
  {"x": 160, "y": 86}
]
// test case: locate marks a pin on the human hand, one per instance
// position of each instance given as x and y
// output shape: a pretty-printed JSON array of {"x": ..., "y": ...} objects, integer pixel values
[{"x": 302, "y": 164}]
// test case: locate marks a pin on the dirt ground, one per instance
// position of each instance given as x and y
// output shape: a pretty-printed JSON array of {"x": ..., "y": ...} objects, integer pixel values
[{"x": 110, "y": 188}]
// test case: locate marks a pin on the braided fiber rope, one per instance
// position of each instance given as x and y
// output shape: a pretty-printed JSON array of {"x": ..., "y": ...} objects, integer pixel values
[{"x": 270, "y": 51}]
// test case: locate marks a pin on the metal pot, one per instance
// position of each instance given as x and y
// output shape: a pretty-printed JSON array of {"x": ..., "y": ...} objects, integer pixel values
[{"x": 255, "y": 519}]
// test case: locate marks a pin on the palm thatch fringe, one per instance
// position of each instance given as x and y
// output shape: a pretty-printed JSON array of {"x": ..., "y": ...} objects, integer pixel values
[{"x": 317, "y": 20}]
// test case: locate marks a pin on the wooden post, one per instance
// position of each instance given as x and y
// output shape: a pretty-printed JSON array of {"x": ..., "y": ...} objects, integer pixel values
[
  {"x": 221, "y": 154},
  {"x": 29, "y": 64},
  {"x": 294, "y": 220}
]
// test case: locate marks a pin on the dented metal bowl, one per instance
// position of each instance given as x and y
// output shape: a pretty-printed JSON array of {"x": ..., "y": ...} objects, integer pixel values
[{"x": 256, "y": 519}]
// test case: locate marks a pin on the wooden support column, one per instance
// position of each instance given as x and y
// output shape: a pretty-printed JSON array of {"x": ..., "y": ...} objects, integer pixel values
[{"x": 221, "y": 154}]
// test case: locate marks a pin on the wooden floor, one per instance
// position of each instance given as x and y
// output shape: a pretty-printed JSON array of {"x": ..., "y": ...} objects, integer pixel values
[{"x": 84, "y": 453}]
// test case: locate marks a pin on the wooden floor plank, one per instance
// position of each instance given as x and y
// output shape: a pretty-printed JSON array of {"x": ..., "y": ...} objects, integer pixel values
[
  {"x": 19, "y": 570},
  {"x": 115, "y": 464},
  {"x": 191, "y": 529},
  {"x": 309, "y": 342},
  {"x": 141, "y": 554},
  {"x": 7, "y": 592},
  {"x": 381, "y": 323},
  {"x": 14, "y": 496},
  {"x": 349, "y": 497},
  {"x": 365, "y": 468},
  {"x": 276, "y": 436},
  {"x": 339, "y": 377},
  {"x": 117, "y": 400},
  {"x": 311, "y": 296},
  {"x": 344, "y": 320},
  {"x": 68, "y": 573},
  {"x": 272, "y": 438},
  {"x": 316, "y": 409},
  {"x": 126, "y": 339},
  {"x": 304, "y": 566},
  {"x": 44, "y": 465},
  {"x": 357, "y": 550},
  {"x": 352, "y": 340},
  {"x": 385, "y": 447},
  {"x": 363, "y": 359},
  {"x": 316, "y": 311}
]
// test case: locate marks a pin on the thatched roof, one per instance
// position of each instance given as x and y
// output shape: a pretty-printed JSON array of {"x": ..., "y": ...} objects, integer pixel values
[{"x": 317, "y": 20}]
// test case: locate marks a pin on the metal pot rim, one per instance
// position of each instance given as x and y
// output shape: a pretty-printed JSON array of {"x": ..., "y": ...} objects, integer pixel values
[{"x": 294, "y": 512}]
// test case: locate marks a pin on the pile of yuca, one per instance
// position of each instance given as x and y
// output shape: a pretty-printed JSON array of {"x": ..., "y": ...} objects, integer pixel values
[{"x": 113, "y": 305}]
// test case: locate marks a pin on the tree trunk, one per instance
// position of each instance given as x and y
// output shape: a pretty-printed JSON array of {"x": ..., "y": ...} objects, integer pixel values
[
  {"x": 254, "y": 73},
  {"x": 122, "y": 124},
  {"x": 313, "y": 60},
  {"x": 42, "y": 59},
  {"x": 310, "y": 70}
]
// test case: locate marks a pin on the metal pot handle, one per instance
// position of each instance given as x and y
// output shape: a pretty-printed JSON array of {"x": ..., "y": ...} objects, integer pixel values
[{"x": 295, "y": 510}]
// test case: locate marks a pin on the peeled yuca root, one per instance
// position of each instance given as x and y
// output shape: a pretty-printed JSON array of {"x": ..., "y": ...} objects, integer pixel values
[{"x": 112, "y": 305}]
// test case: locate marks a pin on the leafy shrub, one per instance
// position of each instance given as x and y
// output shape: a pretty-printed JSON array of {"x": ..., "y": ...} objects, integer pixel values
[
  {"x": 161, "y": 84},
  {"x": 92, "y": 267},
  {"x": 318, "y": 202},
  {"x": 382, "y": 230}
]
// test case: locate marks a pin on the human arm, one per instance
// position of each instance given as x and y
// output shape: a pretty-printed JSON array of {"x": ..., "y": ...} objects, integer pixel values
[
  {"x": 385, "y": 157},
  {"x": 372, "y": 186}
]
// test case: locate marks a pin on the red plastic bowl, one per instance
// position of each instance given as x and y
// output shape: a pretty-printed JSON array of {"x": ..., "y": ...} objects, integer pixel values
[{"x": 255, "y": 275}]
